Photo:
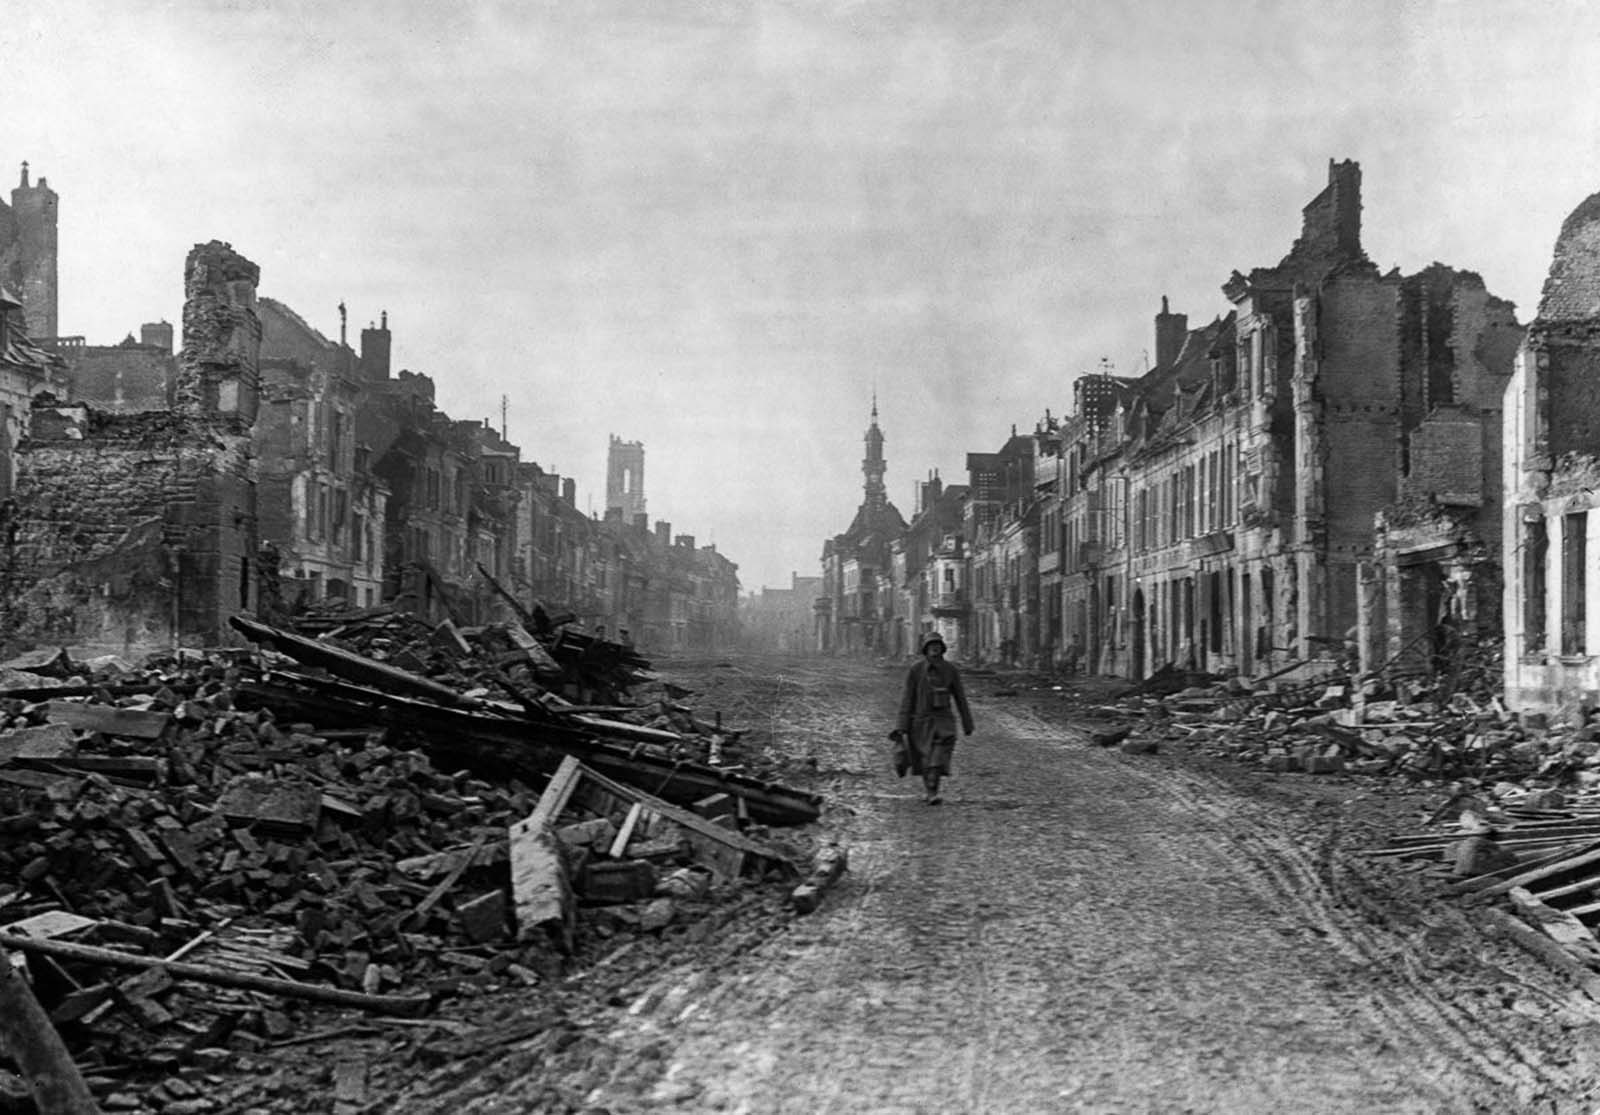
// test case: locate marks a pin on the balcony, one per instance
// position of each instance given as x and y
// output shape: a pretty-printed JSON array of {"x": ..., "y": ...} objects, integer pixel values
[{"x": 952, "y": 603}]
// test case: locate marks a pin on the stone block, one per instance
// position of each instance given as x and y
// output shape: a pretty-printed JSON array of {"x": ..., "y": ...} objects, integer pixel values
[
  {"x": 1478, "y": 855},
  {"x": 44, "y": 741},
  {"x": 611, "y": 882}
]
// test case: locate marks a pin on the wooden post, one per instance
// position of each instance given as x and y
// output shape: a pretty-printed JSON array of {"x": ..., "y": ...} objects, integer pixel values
[{"x": 40, "y": 1054}]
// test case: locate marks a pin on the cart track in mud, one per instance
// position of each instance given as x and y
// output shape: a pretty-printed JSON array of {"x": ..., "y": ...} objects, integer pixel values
[{"x": 1083, "y": 930}]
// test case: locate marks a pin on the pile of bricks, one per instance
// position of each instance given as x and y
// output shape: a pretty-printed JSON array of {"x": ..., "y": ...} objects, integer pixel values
[{"x": 149, "y": 812}]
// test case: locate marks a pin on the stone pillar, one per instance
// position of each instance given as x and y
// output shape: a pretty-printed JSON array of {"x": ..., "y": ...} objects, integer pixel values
[{"x": 1372, "y": 636}]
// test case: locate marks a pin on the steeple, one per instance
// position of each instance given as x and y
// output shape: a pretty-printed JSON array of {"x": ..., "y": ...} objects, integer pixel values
[{"x": 872, "y": 466}]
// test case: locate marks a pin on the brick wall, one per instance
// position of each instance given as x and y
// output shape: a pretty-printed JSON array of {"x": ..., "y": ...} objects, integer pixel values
[
  {"x": 1572, "y": 378},
  {"x": 1358, "y": 382},
  {"x": 1447, "y": 459}
]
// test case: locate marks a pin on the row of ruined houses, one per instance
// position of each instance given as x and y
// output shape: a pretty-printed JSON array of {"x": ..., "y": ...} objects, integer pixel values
[
  {"x": 1347, "y": 465},
  {"x": 260, "y": 468}
]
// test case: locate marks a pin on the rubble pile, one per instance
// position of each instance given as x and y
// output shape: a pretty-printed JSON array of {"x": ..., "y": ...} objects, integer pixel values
[
  {"x": 1518, "y": 829},
  {"x": 246, "y": 830},
  {"x": 1326, "y": 721}
]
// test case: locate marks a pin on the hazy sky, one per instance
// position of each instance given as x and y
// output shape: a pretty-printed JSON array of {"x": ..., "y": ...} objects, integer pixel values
[{"x": 718, "y": 227}]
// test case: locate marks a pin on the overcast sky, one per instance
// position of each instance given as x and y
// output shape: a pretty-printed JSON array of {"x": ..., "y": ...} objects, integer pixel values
[{"x": 718, "y": 227}]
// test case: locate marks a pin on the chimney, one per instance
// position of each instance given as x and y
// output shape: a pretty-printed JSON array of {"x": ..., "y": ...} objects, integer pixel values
[
  {"x": 569, "y": 491},
  {"x": 663, "y": 532},
  {"x": 375, "y": 350},
  {"x": 686, "y": 541},
  {"x": 1171, "y": 329}
]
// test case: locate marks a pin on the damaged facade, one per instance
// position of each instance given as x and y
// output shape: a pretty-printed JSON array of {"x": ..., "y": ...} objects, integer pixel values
[
  {"x": 266, "y": 469},
  {"x": 139, "y": 530},
  {"x": 1315, "y": 473},
  {"x": 1552, "y": 477},
  {"x": 1305, "y": 477}
]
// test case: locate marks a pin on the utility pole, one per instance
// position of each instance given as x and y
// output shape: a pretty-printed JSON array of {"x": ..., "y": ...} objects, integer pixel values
[{"x": 504, "y": 401}]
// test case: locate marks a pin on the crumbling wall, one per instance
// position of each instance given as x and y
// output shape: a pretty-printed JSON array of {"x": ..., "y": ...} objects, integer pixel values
[
  {"x": 1358, "y": 382},
  {"x": 1447, "y": 459},
  {"x": 133, "y": 535},
  {"x": 218, "y": 370}
]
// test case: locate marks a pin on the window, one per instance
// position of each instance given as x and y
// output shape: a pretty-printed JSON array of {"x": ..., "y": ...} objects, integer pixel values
[
  {"x": 1574, "y": 550},
  {"x": 1535, "y": 549}
]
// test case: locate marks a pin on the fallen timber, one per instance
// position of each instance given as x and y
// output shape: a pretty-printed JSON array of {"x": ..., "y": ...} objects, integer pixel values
[
  {"x": 248, "y": 981},
  {"x": 500, "y": 740}
]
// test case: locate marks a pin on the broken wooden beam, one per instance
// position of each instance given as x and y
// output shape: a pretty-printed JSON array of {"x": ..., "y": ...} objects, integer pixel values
[
  {"x": 346, "y": 664},
  {"x": 31, "y": 1041},
  {"x": 541, "y": 893},
  {"x": 222, "y": 977}
]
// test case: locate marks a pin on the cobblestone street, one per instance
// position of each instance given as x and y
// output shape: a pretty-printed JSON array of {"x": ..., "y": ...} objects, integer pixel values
[
  {"x": 1074, "y": 930},
  {"x": 1082, "y": 930}
]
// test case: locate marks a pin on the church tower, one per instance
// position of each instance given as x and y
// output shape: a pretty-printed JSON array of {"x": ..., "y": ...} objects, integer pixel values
[
  {"x": 872, "y": 466},
  {"x": 625, "y": 479},
  {"x": 28, "y": 247}
]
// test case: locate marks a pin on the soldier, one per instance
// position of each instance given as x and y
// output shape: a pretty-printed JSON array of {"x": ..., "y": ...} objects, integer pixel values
[{"x": 933, "y": 697}]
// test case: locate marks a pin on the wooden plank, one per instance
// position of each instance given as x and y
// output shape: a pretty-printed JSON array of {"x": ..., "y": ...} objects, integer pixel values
[
  {"x": 556, "y": 793},
  {"x": 1588, "y": 882},
  {"x": 108, "y": 719},
  {"x": 346, "y": 664},
  {"x": 1559, "y": 925},
  {"x": 61, "y": 950},
  {"x": 435, "y": 895},
  {"x": 1545, "y": 948},
  {"x": 724, "y": 850},
  {"x": 625, "y": 830},
  {"x": 1569, "y": 864},
  {"x": 1561, "y": 853},
  {"x": 540, "y": 889}
]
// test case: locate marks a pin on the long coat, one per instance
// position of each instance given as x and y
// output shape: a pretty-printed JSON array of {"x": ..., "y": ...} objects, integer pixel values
[{"x": 929, "y": 721}]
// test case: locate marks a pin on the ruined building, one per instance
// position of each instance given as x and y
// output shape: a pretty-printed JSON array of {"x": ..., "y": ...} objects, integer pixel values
[
  {"x": 1552, "y": 485},
  {"x": 1313, "y": 474},
  {"x": 146, "y": 496},
  {"x": 1252, "y": 465},
  {"x": 138, "y": 531},
  {"x": 323, "y": 510}
]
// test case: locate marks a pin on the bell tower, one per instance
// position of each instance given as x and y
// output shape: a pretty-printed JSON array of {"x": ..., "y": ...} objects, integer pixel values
[
  {"x": 625, "y": 479},
  {"x": 872, "y": 465}
]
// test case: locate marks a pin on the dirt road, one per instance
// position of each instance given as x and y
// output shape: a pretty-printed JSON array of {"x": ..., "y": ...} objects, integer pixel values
[{"x": 1080, "y": 930}]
